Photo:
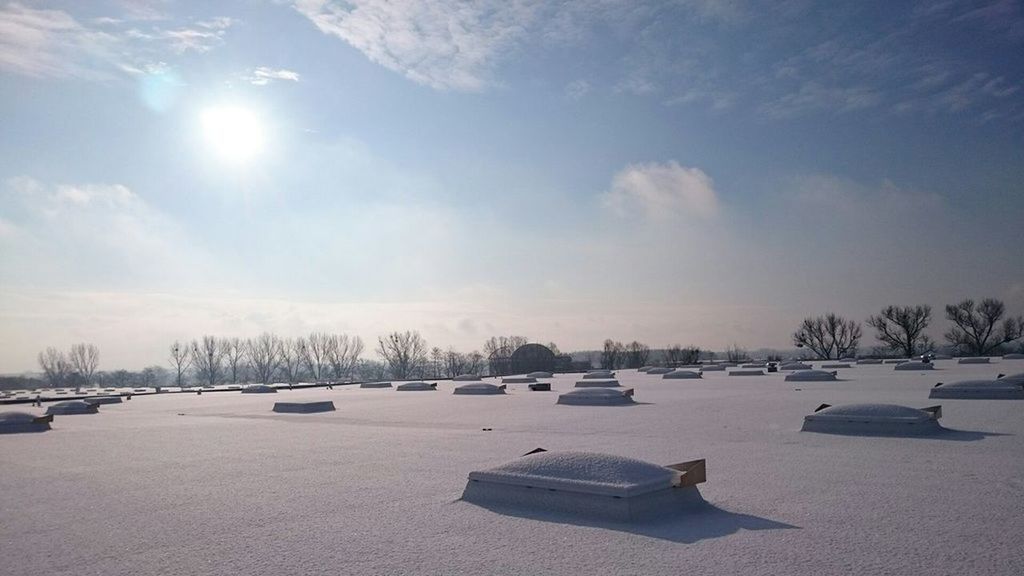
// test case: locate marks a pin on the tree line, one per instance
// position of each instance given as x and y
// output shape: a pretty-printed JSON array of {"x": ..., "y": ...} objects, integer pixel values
[{"x": 977, "y": 329}]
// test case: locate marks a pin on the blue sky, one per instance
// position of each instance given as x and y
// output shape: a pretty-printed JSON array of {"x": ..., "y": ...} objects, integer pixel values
[{"x": 703, "y": 172}]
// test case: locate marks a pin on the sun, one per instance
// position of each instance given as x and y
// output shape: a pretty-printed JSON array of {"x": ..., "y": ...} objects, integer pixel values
[{"x": 234, "y": 133}]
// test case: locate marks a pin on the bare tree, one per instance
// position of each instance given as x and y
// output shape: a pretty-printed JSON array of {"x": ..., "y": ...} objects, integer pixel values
[
  {"x": 736, "y": 354},
  {"x": 454, "y": 363},
  {"x": 264, "y": 353},
  {"x": 181, "y": 360},
  {"x": 208, "y": 358},
  {"x": 292, "y": 352},
  {"x": 343, "y": 354},
  {"x": 319, "y": 347},
  {"x": 612, "y": 354},
  {"x": 554, "y": 348},
  {"x": 84, "y": 359},
  {"x": 676, "y": 355},
  {"x": 475, "y": 362},
  {"x": 976, "y": 328},
  {"x": 437, "y": 361},
  {"x": 403, "y": 352},
  {"x": 829, "y": 336},
  {"x": 901, "y": 328},
  {"x": 637, "y": 354},
  {"x": 55, "y": 366},
  {"x": 234, "y": 357}
]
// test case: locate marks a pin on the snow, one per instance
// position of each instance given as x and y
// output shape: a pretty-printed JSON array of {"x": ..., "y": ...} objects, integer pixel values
[
  {"x": 182, "y": 484},
  {"x": 1014, "y": 378},
  {"x": 973, "y": 361},
  {"x": 681, "y": 375},
  {"x": 657, "y": 370},
  {"x": 597, "y": 383},
  {"x": 518, "y": 380},
  {"x": 604, "y": 374},
  {"x": 586, "y": 472},
  {"x": 467, "y": 378},
  {"x": 811, "y": 376},
  {"x": 479, "y": 388},
  {"x": 914, "y": 365},
  {"x": 540, "y": 375},
  {"x": 1014, "y": 356},
  {"x": 104, "y": 400},
  {"x": 416, "y": 387},
  {"x": 795, "y": 366},
  {"x": 713, "y": 368},
  {"x": 596, "y": 397},
  {"x": 259, "y": 389},
  {"x": 72, "y": 407},
  {"x": 1001, "y": 389},
  {"x": 871, "y": 419}
]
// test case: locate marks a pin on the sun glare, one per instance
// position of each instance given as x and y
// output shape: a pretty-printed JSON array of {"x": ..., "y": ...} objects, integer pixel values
[{"x": 232, "y": 132}]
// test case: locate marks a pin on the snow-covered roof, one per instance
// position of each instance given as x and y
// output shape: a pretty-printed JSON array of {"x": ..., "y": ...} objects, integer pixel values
[
  {"x": 375, "y": 385},
  {"x": 681, "y": 375},
  {"x": 541, "y": 375},
  {"x": 597, "y": 383},
  {"x": 1000, "y": 389},
  {"x": 811, "y": 376},
  {"x": 415, "y": 387},
  {"x": 880, "y": 419},
  {"x": 581, "y": 472},
  {"x": 713, "y": 368},
  {"x": 644, "y": 368},
  {"x": 1014, "y": 378},
  {"x": 596, "y": 397},
  {"x": 479, "y": 388},
  {"x": 467, "y": 378},
  {"x": 259, "y": 389},
  {"x": 914, "y": 365},
  {"x": 599, "y": 374},
  {"x": 72, "y": 407},
  {"x": 657, "y": 370}
]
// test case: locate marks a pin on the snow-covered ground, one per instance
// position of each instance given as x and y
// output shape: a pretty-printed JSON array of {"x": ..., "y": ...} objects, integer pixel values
[{"x": 180, "y": 484}]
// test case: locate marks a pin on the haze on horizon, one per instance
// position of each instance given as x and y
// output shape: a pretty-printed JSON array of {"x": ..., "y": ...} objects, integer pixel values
[{"x": 705, "y": 172}]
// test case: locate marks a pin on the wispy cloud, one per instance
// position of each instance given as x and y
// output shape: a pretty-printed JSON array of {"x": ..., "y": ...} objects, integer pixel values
[
  {"x": 445, "y": 44},
  {"x": 47, "y": 43},
  {"x": 263, "y": 75},
  {"x": 662, "y": 191}
]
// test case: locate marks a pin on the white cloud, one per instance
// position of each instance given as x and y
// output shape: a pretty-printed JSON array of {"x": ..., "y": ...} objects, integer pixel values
[
  {"x": 662, "y": 191},
  {"x": 89, "y": 234},
  {"x": 263, "y": 75},
  {"x": 577, "y": 89},
  {"x": 445, "y": 44},
  {"x": 46, "y": 43}
]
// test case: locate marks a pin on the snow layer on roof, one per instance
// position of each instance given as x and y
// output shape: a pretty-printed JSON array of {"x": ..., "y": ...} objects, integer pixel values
[
  {"x": 811, "y": 376},
  {"x": 595, "y": 397},
  {"x": 467, "y": 378},
  {"x": 584, "y": 472},
  {"x": 983, "y": 360},
  {"x": 713, "y": 368},
  {"x": 415, "y": 387},
  {"x": 597, "y": 383},
  {"x": 72, "y": 407},
  {"x": 644, "y": 368},
  {"x": 103, "y": 400},
  {"x": 259, "y": 389},
  {"x": 872, "y": 419},
  {"x": 914, "y": 365},
  {"x": 375, "y": 385},
  {"x": 17, "y": 422},
  {"x": 681, "y": 375},
  {"x": 518, "y": 380},
  {"x": 1000, "y": 389},
  {"x": 659, "y": 370},
  {"x": 1014, "y": 378},
  {"x": 746, "y": 373},
  {"x": 479, "y": 388},
  {"x": 599, "y": 374},
  {"x": 541, "y": 375},
  {"x": 795, "y": 366}
]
